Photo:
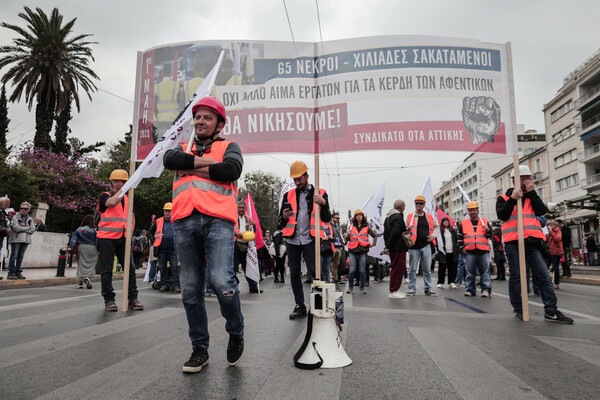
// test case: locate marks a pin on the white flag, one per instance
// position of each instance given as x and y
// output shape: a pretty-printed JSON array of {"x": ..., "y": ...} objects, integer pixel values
[
  {"x": 252, "y": 269},
  {"x": 431, "y": 207},
  {"x": 287, "y": 186},
  {"x": 373, "y": 210},
  {"x": 466, "y": 200},
  {"x": 152, "y": 166}
]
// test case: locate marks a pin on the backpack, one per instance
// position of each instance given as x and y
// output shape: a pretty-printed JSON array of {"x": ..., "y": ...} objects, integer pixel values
[{"x": 136, "y": 244}]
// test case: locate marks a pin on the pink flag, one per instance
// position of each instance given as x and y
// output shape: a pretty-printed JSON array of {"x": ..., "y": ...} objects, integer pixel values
[
  {"x": 441, "y": 214},
  {"x": 260, "y": 242}
]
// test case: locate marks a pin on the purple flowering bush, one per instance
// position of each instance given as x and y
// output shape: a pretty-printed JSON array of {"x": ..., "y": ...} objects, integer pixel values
[{"x": 61, "y": 182}]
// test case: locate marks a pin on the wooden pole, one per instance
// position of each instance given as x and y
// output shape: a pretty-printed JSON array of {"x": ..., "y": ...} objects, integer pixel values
[
  {"x": 133, "y": 157},
  {"x": 317, "y": 209},
  {"x": 521, "y": 241}
]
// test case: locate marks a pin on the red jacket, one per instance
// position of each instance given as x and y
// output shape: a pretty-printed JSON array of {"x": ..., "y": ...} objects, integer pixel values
[{"x": 555, "y": 242}]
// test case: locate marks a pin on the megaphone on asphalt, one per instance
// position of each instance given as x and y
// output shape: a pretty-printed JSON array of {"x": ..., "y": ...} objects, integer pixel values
[{"x": 322, "y": 346}]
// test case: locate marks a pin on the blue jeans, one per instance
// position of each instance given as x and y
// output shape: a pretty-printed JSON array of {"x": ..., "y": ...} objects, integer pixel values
[
  {"x": 539, "y": 272},
  {"x": 17, "y": 251},
  {"x": 460, "y": 274},
  {"x": 478, "y": 264},
  {"x": 424, "y": 255},
  {"x": 108, "y": 249},
  {"x": 295, "y": 253},
  {"x": 205, "y": 251},
  {"x": 152, "y": 273},
  {"x": 357, "y": 260},
  {"x": 325, "y": 262},
  {"x": 171, "y": 258}
]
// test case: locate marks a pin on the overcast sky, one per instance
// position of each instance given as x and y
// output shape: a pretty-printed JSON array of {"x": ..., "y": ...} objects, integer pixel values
[{"x": 549, "y": 39}]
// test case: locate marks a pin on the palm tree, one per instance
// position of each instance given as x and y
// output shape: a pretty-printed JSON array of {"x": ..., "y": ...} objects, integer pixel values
[{"x": 47, "y": 66}]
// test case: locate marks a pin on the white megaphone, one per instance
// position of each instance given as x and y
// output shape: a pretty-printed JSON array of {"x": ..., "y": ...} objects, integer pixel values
[
  {"x": 322, "y": 346},
  {"x": 552, "y": 206}
]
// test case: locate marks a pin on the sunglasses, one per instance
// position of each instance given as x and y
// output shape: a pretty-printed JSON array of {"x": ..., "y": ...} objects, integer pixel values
[
  {"x": 24, "y": 208},
  {"x": 419, "y": 204}
]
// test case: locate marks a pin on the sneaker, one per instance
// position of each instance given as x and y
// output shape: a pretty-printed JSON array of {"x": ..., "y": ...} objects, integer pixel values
[
  {"x": 80, "y": 286},
  {"x": 255, "y": 290},
  {"x": 519, "y": 315},
  {"x": 557, "y": 316},
  {"x": 211, "y": 294},
  {"x": 468, "y": 294},
  {"x": 20, "y": 276},
  {"x": 349, "y": 291},
  {"x": 235, "y": 348},
  {"x": 362, "y": 291},
  {"x": 453, "y": 285},
  {"x": 176, "y": 290},
  {"x": 430, "y": 293},
  {"x": 135, "y": 305},
  {"x": 87, "y": 282},
  {"x": 411, "y": 293},
  {"x": 485, "y": 294},
  {"x": 439, "y": 285},
  {"x": 164, "y": 289},
  {"x": 110, "y": 306},
  {"x": 397, "y": 295},
  {"x": 556, "y": 286},
  {"x": 299, "y": 312},
  {"x": 406, "y": 280},
  {"x": 198, "y": 359}
]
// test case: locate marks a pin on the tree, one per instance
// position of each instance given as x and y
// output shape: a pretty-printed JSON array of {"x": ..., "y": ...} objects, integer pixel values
[
  {"x": 4, "y": 121},
  {"x": 46, "y": 65},
  {"x": 62, "y": 183},
  {"x": 265, "y": 189},
  {"x": 62, "y": 130}
]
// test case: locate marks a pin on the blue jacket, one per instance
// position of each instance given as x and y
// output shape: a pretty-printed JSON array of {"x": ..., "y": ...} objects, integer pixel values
[{"x": 83, "y": 235}]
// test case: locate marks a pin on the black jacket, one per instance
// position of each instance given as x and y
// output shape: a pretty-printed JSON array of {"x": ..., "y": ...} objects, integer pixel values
[
  {"x": 393, "y": 227},
  {"x": 325, "y": 214},
  {"x": 4, "y": 224},
  {"x": 441, "y": 257},
  {"x": 504, "y": 208}
]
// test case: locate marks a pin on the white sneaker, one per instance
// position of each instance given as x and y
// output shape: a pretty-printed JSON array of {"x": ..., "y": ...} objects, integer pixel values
[
  {"x": 439, "y": 285},
  {"x": 397, "y": 295},
  {"x": 453, "y": 285},
  {"x": 406, "y": 280}
]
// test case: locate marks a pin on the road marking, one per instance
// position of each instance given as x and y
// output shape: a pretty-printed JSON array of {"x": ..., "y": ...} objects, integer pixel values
[
  {"x": 575, "y": 313},
  {"x": 41, "y": 347},
  {"x": 20, "y": 297},
  {"x": 45, "y": 302},
  {"x": 580, "y": 348},
  {"x": 42, "y": 319},
  {"x": 469, "y": 369},
  {"x": 467, "y": 306}
]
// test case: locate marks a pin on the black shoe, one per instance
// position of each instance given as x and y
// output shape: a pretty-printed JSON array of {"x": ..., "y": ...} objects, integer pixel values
[
  {"x": 276, "y": 280},
  {"x": 308, "y": 281},
  {"x": 198, "y": 359},
  {"x": 255, "y": 290},
  {"x": 430, "y": 293},
  {"x": 235, "y": 348},
  {"x": 557, "y": 316},
  {"x": 519, "y": 315},
  {"x": 20, "y": 276},
  {"x": 165, "y": 289},
  {"x": 299, "y": 312}
]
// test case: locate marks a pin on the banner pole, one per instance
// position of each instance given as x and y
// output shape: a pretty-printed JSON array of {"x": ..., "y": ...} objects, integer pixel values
[
  {"x": 129, "y": 222},
  {"x": 317, "y": 209},
  {"x": 515, "y": 149}
]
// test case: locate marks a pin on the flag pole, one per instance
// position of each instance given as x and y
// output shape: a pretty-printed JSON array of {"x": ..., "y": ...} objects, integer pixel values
[
  {"x": 317, "y": 209},
  {"x": 521, "y": 241},
  {"x": 129, "y": 222}
]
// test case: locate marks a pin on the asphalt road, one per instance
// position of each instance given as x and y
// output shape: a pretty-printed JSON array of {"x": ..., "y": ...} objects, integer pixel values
[{"x": 59, "y": 343}]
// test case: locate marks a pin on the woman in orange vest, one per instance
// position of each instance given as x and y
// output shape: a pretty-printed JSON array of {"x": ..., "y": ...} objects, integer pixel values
[{"x": 358, "y": 247}]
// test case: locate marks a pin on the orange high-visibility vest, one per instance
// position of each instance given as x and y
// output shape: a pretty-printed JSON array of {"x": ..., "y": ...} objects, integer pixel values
[
  {"x": 475, "y": 239},
  {"x": 160, "y": 223},
  {"x": 413, "y": 230},
  {"x": 531, "y": 225},
  {"x": 113, "y": 221},
  {"x": 359, "y": 238},
  {"x": 217, "y": 199},
  {"x": 290, "y": 227}
]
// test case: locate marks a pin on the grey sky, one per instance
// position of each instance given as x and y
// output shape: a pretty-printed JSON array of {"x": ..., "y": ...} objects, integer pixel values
[{"x": 549, "y": 39}]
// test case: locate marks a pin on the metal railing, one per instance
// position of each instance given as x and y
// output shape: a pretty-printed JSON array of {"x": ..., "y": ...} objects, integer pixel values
[
  {"x": 591, "y": 151},
  {"x": 587, "y": 95},
  {"x": 587, "y": 123},
  {"x": 590, "y": 180},
  {"x": 537, "y": 176}
]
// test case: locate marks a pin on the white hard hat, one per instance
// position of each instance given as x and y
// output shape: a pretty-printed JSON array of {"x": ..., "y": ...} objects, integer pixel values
[{"x": 523, "y": 171}]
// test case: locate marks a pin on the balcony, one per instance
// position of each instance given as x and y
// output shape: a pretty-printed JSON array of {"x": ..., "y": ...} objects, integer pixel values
[
  {"x": 591, "y": 182},
  {"x": 537, "y": 176},
  {"x": 585, "y": 126},
  {"x": 590, "y": 154},
  {"x": 587, "y": 96}
]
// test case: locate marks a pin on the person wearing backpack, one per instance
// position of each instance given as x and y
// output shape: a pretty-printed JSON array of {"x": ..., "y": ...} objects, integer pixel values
[{"x": 137, "y": 248}]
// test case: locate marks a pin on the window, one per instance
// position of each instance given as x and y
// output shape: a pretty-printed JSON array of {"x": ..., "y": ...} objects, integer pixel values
[
  {"x": 563, "y": 134},
  {"x": 540, "y": 192},
  {"x": 567, "y": 182},
  {"x": 565, "y": 158},
  {"x": 562, "y": 110},
  {"x": 538, "y": 165}
]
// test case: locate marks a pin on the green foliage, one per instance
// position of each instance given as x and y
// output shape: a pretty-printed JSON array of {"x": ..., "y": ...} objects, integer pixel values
[
  {"x": 18, "y": 182},
  {"x": 265, "y": 189},
  {"x": 46, "y": 64}
]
